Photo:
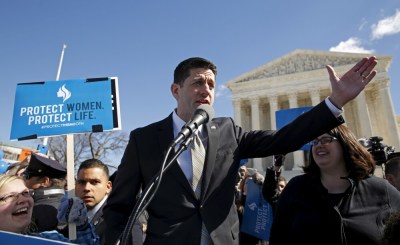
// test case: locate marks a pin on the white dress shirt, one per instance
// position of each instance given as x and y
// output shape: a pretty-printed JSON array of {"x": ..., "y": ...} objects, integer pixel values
[{"x": 185, "y": 158}]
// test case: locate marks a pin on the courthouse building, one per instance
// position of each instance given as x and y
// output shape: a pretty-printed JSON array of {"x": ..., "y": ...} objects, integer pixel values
[{"x": 300, "y": 79}]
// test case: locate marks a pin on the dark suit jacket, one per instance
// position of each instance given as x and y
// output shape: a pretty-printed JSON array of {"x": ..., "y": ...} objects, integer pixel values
[
  {"x": 175, "y": 215},
  {"x": 100, "y": 226},
  {"x": 101, "y": 229}
]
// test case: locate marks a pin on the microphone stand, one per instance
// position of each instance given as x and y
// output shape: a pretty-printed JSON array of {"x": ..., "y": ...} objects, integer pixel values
[{"x": 151, "y": 189}]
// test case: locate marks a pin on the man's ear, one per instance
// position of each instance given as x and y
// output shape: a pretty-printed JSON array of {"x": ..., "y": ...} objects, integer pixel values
[
  {"x": 175, "y": 90},
  {"x": 45, "y": 181},
  {"x": 109, "y": 187},
  {"x": 390, "y": 178}
]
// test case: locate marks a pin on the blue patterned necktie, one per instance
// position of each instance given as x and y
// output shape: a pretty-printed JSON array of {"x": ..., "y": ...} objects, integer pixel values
[{"x": 198, "y": 158}]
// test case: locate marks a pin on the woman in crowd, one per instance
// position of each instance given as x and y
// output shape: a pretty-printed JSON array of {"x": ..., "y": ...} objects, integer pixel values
[
  {"x": 241, "y": 194},
  {"x": 338, "y": 200},
  {"x": 16, "y": 204}
]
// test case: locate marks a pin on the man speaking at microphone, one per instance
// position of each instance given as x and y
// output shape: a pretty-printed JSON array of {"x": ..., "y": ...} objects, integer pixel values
[{"x": 195, "y": 200}]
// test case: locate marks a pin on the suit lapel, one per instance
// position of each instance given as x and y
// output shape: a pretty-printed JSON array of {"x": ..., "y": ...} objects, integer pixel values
[
  {"x": 212, "y": 144},
  {"x": 98, "y": 215},
  {"x": 165, "y": 138}
]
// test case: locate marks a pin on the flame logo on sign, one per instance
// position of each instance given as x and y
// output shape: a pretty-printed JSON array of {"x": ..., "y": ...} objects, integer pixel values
[
  {"x": 252, "y": 206},
  {"x": 64, "y": 93}
]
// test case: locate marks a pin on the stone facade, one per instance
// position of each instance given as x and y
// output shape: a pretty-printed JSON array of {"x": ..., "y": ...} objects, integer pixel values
[{"x": 300, "y": 79}]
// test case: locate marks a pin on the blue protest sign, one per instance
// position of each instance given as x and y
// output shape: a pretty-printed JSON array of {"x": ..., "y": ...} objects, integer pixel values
[
  {"x": 66, "y": 106},
  {"x": 257, "y": 215},
  {"x": 286, "y": 116},
  {"x": 243, "y": 162},
  {"x": 9, "y": 238},
  {"x": 3, "y": 165}
]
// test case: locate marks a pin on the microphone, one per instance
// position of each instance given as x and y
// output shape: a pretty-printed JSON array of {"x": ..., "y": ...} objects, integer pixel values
[{"x": 203, "y": 114}]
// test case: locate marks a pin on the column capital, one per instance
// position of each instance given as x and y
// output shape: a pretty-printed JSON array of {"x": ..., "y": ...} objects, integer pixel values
[
  {"x": 383, "y": 84},
  {"x": 292, "y": 94},
  {"x": 378, "y": 86},
  {"x": 272, "y": 98},
  {"x": 237, "y": 101},
  {"x": 254, "y": 100},
  {"x": 314, "y": 91}
]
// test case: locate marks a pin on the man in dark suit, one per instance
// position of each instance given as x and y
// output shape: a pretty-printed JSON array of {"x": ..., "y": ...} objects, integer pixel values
[
  {"x": 176, "y": 214},
  {"x": 93, "y": 187}
]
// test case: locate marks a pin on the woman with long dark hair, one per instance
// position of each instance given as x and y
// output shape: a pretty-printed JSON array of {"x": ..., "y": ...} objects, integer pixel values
[{"x": 338, "y": 200}]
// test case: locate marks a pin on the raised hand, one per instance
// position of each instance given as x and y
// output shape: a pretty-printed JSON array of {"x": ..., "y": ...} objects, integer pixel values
[{"x": 348, "y": 86}]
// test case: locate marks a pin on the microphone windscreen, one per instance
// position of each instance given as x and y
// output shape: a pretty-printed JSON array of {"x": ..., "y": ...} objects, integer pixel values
[{"x": 206, "y": 108}]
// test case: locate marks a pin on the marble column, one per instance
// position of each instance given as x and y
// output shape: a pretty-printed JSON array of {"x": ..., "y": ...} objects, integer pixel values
[
  {"x": 387, "y": 114},
  {"x": 255, "y": 125},
  {"x": 237, "y": 107},
  {"x": 315, "y": 96},
  {"x": 298, "y": 156},
  {"x": 255, "y": 113},
  {"x": 363, "y": 115},
  {"x": 273, "y": 106}
]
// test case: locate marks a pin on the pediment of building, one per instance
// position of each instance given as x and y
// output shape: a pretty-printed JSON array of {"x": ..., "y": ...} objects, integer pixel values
[{"x": 300, "y": 61}]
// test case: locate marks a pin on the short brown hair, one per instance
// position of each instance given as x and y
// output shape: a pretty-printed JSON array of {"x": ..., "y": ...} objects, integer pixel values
[
  {"x": 182, "y": 71},
  {"x": 94, "y": 163}
]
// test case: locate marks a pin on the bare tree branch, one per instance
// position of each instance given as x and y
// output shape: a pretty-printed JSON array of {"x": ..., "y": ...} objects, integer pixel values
[{"x": 101, "y": 145}]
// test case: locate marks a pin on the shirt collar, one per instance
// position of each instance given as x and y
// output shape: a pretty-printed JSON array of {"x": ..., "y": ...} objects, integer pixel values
[
  {"x": 93, "y": 211},
  {"x": 178, "y": 123}
]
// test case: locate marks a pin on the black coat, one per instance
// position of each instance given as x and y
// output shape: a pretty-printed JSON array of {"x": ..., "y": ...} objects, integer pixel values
[
  {"x": 45, "y": 208},
  {"x": 101, "y": 230},
  {"x": 269, "y": 189},
  {"x": 306, "y": 214}
]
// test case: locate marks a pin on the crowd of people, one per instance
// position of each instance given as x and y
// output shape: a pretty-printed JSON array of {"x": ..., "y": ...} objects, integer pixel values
[{"x": 201, "y": 196}]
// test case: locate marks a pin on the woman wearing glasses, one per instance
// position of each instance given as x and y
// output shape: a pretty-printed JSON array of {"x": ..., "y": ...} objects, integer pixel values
[
  {"x": 338, "y": 200},
  {"x": 16, "y": 204}
]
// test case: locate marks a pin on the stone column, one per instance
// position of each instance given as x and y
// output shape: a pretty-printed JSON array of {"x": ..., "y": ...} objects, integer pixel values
[
  {"x": 255, "y": 125},
  {"x": 292, "y": 97},
  {"x": 298, "y": 156},
  {"x": 273, "y": 106},
  {"x": 315, "y": 96},
  {"x": 388, "y": 114},
  {"x": 237, "y": 107},
  {"x": 255, "y": 113},
  {"x": 363, "y": 115}
]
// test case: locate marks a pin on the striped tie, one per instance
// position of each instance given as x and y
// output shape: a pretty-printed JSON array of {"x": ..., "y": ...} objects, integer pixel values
[{"x": 198, "y": 157}]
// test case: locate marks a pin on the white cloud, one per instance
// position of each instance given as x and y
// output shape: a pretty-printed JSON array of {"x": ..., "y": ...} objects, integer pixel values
[
  {"x": 363, "y": 23},
  {"x": 352, "y": 45},
  {"x": 387, "y": 26},
  {"x": 220, "y": 91}
]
